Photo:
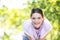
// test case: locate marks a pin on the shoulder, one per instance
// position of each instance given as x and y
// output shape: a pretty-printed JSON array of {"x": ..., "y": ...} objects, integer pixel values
[
  {"x": 27, "y": 24},
  {"x": 47, "y": 27},
  {"x": 27, "y": 28},
  {"x": 27, "y": 21},
  {"x": 47, "y": 22}
]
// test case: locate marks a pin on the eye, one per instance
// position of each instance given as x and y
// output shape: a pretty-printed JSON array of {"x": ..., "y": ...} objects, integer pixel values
[
  {"x": 33, "y": 18},
  {"x": 38, "y": 17}
]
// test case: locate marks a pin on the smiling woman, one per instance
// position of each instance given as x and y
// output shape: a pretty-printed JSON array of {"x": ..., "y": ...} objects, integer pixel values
[{"x": 37, "y": 27}]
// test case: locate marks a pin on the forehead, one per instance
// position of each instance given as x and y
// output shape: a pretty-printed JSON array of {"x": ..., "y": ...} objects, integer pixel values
[{"x": 36, "y": 15}]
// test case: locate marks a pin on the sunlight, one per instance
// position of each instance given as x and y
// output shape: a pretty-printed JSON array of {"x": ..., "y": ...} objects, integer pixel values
[{"x": 21, "y": 4}]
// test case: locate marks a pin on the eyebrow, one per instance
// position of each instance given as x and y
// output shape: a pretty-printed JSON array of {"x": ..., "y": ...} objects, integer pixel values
[{"x": 37, "y": 17}]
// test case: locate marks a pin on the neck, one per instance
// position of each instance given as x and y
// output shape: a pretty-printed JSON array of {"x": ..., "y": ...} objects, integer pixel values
[{"x": 37, "y": 28}]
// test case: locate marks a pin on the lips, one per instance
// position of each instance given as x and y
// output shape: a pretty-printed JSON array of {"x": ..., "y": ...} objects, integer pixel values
[{"x": 36, "y": 23}]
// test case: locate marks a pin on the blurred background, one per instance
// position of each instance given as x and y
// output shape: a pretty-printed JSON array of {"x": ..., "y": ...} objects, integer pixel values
[{"x": 14, "y": 12}]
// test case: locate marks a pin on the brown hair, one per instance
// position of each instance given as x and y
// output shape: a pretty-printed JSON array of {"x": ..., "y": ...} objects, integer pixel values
[{"x": 36, "y": 10}]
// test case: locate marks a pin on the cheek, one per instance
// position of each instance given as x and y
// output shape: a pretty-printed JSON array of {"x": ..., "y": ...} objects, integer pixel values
[
  {"x": 40, "y": 21},
  {"x": 33, "y": 20}
]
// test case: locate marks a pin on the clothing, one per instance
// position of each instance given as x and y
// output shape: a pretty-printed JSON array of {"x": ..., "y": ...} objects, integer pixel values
[
  {"x": 29, "y": 29},
  {"x": 25, "y": 38}
]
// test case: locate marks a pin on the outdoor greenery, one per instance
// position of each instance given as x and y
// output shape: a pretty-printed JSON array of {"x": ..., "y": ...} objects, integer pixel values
[{"x": 11, "y": 20}]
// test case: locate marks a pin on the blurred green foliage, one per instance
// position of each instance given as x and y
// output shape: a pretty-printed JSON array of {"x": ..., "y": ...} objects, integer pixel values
[{"x": 13, "y": 19}]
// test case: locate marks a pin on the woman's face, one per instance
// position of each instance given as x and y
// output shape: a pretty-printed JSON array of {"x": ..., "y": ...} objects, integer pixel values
[{"x": 37, "y": 20}]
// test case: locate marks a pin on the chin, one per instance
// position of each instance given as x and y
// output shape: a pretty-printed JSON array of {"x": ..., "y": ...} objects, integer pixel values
[{"x": 37, "y": 27}]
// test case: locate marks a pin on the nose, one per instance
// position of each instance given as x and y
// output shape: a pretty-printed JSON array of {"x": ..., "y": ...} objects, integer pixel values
[{"x": 36, "y": 20}]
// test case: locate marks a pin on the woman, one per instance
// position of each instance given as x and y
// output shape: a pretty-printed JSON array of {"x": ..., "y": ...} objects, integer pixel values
[{"x": 37, "y": 27}]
